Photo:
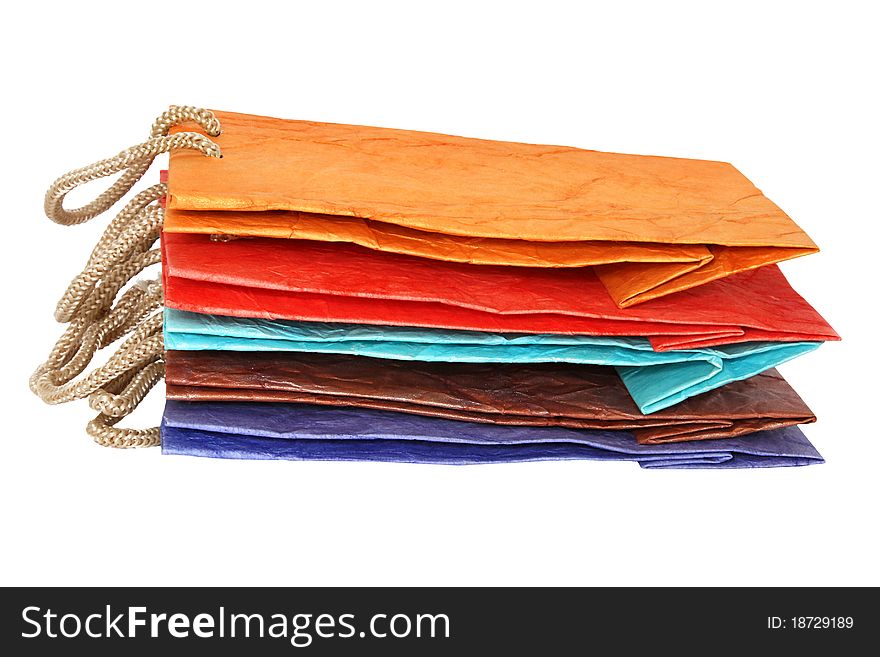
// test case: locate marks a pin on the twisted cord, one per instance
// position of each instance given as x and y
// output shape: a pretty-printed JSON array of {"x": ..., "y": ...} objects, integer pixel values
[
  {"x": 95, "y": 318},
  {"x": 133, "y": 162}
]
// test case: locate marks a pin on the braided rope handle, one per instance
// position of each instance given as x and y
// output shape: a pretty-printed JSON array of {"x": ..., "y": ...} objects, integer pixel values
[
  {"x": 134, "y": 161},
  {"x": 95, "y": 318}
]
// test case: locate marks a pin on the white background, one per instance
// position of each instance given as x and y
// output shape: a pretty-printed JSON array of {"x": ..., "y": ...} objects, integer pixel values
[{"x": 785, "y": 91}]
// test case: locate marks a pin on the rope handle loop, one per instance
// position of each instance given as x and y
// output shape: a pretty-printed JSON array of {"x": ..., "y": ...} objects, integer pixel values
[
  {"x": 134, "y": 162},
  {"x": 89, "y": 306}
]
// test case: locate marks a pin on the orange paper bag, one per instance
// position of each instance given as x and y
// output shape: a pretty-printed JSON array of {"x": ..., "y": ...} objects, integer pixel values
[{"x": 649, "y": 225}]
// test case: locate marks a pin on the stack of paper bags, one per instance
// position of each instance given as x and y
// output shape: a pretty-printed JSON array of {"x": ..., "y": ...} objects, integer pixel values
[{"x": 344, "y": 292}]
